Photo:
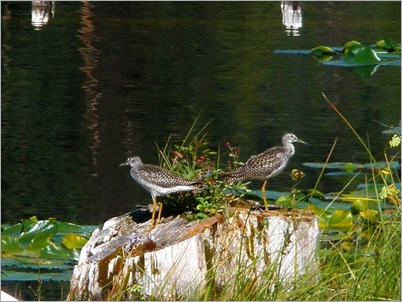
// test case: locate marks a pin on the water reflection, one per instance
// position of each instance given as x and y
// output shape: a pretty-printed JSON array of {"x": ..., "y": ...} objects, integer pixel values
[
  {"x": 90, "y": 56},
  {"x": 292, "y": 17},
  {"x": 40, "y": 13}
]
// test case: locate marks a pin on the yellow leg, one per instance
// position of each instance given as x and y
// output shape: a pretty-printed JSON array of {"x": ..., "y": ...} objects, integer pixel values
[
  {"x": 153, "y": 214},
  {"x": 159, "y": 214},
  {"x": 263, "y": 195}
]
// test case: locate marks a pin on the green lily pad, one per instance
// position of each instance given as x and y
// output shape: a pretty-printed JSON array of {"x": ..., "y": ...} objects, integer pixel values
[
  {"x": 285, "y": 202},
  {"x": 67, "y": 227},
  {"x": 383, "y": 165},
  {"x": 74, "y": 241},
  {"x": 10, "y": 245},
  {"x": 364, "y": 59},
  {"x": 349, "y": 44},
  {"x": 350, "y": 167},
  {"x": 322, "y": 51},
  {"x": 369, "y": 214},
  {"x": 340, "y": 173},
  {"x": 39, "y": 242},
  {"x": 54, "y": 251},
  {"x": 389, "y": 44},
  {"x": 335, "y": 165},
  {"x": 339, "y": 219},
  {"x": 358, "y": 55},
  {"x": 358, "y": 206},
  {"x": 12, "y": 231},
  {"x": 41, "y": 227}
]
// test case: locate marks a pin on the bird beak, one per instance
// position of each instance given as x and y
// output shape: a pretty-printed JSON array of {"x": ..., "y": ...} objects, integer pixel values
[
  {"x": 303, "y": 142},
  {"x": 124, "y": 164}
]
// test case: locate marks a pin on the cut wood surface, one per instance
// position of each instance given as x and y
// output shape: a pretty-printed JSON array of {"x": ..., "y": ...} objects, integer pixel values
[{"x": 179, "y": 259}]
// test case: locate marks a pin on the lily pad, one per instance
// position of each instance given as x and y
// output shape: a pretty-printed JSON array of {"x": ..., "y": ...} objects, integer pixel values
[
  {"x": 369, "y": 214},
  {"x": 345, "y": 166},
  {"x": 362, "y": 205},
  {"x": 339, "y": 219},
  {"x": 364, "y": 59},
  {"x": 285, "y": 202},
  {"x": 74, "y": 241},
  {"x": 322, "y": 51},
  {"x": 349, "y": 44},
  {"x": 357, "y": 55},
  {"x": 349, "y": 167},
  {"x": 389, "y": 44}
]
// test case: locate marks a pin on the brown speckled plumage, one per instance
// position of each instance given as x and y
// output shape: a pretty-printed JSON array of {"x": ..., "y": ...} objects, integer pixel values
[
  {"x": 158, "y": 181},
  {"x": 266, "y": 164}
]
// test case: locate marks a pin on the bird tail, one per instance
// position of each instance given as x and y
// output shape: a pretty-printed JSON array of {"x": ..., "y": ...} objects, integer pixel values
[
  {"x": 199, "y": 187},
  {"x": 230, "y": 177}
]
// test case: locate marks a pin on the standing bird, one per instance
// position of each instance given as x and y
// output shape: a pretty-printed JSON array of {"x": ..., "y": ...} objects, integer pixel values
[
  {"x": 266, "y": 164},
  {"x": 158, "y": 182}
]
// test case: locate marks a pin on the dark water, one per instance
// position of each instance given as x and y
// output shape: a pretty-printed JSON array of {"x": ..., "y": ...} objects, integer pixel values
[{"x": 102, "y": 81}]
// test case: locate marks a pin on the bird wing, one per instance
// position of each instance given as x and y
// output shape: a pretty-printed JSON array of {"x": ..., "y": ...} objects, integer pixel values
[
  {"x": 265, "y": 159},
  {"x": 164, "y": 178},
  {"x": 260, "y": 165}
]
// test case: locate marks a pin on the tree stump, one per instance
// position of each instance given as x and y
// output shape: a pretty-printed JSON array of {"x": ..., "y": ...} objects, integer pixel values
[{"x": 180, "y": 259}]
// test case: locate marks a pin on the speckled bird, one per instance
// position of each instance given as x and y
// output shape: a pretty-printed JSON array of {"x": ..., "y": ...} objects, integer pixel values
[
  {"x": 266, "y": 164},
  {"x": 158, "y": 182}
]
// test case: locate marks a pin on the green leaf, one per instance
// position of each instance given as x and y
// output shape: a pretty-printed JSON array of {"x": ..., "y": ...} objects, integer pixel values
[
  {"x": 380, "y": 44},
  {"x": 383, "y": 165},
  {"x": 358, "y": 206},
  {"x": 39, "y": 242},
  {"x": 339, "y": 219},
  {"x": 42, "y": 226},
  {"x": 391, "y": 45},
  {"x": 346, "y": 47},
  {"x": 67, "y": 227},
  {"x": 54, "y": 251},
  {"x": 12, "y": 231},
  {"x": 200, "y": 216},
  {"x": 316, "y": 194},
  {"x": 285, "y": 202},
  {"x": 10, "y": 245},
  {"x": 334, "y": 165},
  {"x": 74, "y": 241},
  {"x": 369, "y": 214},
  {"x": 28, "y": 223},
  {"x": 322, "y": 51},
  {"x": 360, "y": 55}
]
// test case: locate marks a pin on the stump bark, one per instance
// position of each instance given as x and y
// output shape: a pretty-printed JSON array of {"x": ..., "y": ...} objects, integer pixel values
[{"x": 180, "y": 259}]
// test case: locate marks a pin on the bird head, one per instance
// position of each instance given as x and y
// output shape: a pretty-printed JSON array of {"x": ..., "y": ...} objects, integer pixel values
[
  {"x": 132, "y": 161},
  {"x": 291, "y": 138}
]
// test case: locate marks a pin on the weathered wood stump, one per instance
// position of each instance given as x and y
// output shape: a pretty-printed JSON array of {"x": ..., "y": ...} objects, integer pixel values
[{"x": 179, "y": 259}]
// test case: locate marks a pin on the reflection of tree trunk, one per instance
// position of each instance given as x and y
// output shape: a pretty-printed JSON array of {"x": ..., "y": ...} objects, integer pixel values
[
  {"x": 40, "y": 13},
  {"x": 178, "y": 259},
  {"x": 292, "y": 17},
  {"x": 90, "y": 56}
]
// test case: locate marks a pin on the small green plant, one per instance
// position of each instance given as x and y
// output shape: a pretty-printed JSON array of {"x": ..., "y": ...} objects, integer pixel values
[{"x": 194, "y": 159}]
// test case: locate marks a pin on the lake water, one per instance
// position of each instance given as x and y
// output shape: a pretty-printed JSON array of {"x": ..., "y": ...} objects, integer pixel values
[{"x": 98, "y": 82}]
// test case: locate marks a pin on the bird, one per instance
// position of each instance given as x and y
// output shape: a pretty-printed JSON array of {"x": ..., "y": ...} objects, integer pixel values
[
  {"x": 158, "y": 181},
  {"x": 267, "y": 164}
]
